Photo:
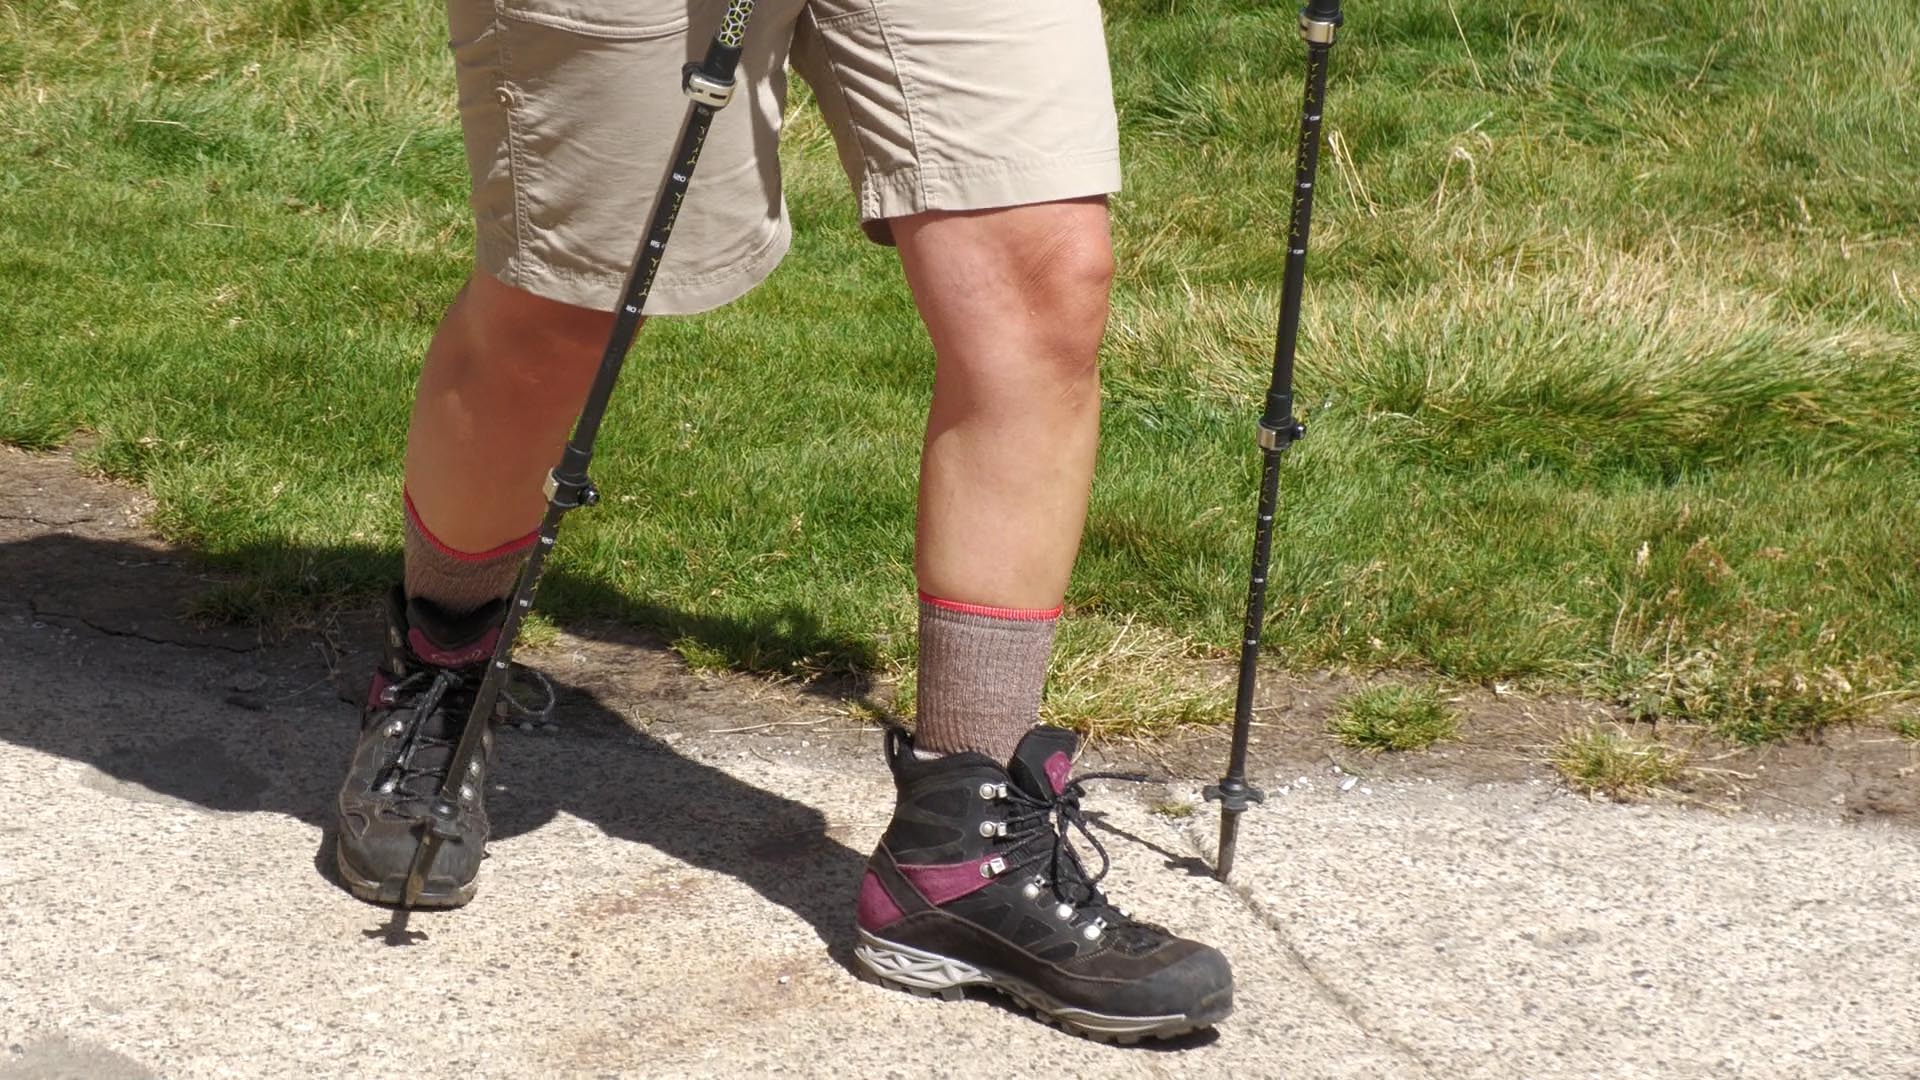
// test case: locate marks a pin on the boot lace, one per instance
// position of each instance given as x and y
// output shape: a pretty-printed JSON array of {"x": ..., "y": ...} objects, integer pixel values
[
  {"x": 439, "y": 700},
  {"x": 1040, "y": 832}
]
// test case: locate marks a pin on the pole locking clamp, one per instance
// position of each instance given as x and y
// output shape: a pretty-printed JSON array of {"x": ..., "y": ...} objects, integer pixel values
[
  {"x": 1317, "y": 31},
  {"x": 704, "y": 88},
  {"x": 1289, "y": 432},
  {"x": 570, "y": 494}
]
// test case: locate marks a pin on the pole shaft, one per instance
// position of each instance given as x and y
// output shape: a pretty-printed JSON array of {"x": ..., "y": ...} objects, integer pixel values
[
  {"x": 1279, "y": 411},
  {"x": 1306, "y": 165},
  {"x": 646, "y": 266},
  {"x": 1279, "y": 427},
  {"x": 1256, "y": 614}
]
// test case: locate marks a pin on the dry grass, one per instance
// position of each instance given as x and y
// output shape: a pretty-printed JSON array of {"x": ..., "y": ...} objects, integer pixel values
[
  {"x": 1606, "y": 761},
  {"x": 1130, "y": 678}
]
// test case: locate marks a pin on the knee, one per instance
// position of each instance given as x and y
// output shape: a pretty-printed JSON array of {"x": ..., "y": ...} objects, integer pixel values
[
  {"x": 1016, "y": 299},
  {"x": 513, "y": 347},
  {"x": 1065, "y": 277}
]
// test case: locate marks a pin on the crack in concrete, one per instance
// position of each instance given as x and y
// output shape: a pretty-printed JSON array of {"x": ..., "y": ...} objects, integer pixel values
[
  {"x": 32, "y": 520},
  {"x": 1322, "y": 985},
  {"x": 35, "y": 611}
]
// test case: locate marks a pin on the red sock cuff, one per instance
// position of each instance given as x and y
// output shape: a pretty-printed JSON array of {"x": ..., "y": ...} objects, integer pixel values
[
  {"x": 1016, "y": 614},
  {"x": 508, "y": 548}
]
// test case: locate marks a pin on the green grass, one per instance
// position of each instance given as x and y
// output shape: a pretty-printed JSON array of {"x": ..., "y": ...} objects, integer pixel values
[
  {"x": 1607, "y": 762},
  {"x": 1612, "y": 342},
  {"x": 1393, "y": 717}
]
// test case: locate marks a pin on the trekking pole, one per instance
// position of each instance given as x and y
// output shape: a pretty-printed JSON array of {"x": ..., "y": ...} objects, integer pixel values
[
  {"x": 709, "y": 86},
  {"x": 1279, "y": 428}
]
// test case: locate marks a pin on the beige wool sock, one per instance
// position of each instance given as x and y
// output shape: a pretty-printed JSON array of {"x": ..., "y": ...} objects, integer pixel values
[
  {"x": 458, "y": 581},
  {"x": 981, "y": 673}
]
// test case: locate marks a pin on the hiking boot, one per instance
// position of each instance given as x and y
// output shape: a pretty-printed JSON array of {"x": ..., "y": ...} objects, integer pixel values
[
  {"x": 975, "y": 884},
  {"x": 414, "y": 715}
]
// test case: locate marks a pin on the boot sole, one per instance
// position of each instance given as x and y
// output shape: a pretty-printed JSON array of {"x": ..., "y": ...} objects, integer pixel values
[
  {"x": 925, "y": 974},
  {"x": 390, "y": 891}
]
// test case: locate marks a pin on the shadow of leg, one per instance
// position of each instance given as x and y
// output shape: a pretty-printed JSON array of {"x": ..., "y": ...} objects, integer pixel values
[{"x": 635, "y": 787}]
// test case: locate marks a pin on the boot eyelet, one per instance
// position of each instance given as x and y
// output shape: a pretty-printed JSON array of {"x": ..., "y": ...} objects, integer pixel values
[
  {"x": 993, "y": 828},
  {"x": 1031, "y": 890},
  {"x": 1064, "y": 911},
  {"x": 991, "y": 791},
  {"x": 1094, "y": 929},
  {"x": 395, "y": 728},
  {"x": 995, "y": 865},
  {"x": 466, "y": 792},
  {"x": 473, "y": 767}
]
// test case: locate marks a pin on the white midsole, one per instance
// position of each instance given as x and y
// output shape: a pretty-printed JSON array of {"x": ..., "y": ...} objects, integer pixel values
[
  {"x": 913, "y": 967},
  {"x": 923, "y": 970}
]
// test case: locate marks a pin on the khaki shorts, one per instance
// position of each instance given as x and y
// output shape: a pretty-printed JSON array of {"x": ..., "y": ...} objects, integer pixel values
[{"x": 571, "y": 109}]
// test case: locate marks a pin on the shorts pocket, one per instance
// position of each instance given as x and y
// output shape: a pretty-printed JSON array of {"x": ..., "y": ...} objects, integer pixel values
[{"x": 613, "y": 20}]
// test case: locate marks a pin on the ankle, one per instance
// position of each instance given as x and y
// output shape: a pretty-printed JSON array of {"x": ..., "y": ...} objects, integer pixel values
[
  {"x": 455, "y": 581},
  {"x": 982, "y": 670}
]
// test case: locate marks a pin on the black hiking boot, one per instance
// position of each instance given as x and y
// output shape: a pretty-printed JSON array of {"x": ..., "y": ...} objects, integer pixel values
[
  {"x": 415, "y": 712},
  {"x": 974, "y": 884}
]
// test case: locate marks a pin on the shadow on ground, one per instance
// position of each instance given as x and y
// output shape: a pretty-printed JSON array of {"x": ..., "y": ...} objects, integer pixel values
[{"x": 218, "y": 719}]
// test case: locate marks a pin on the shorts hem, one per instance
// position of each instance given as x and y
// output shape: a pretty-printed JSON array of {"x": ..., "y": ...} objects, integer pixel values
[
  {"x": 672, "y": 294},
  {"x": 917, "y": 189}
]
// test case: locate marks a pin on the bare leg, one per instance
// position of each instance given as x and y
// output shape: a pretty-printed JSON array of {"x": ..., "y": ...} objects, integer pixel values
[
  {"x": 504, "y": 379},
  {"x": 1016, "y": 303},
  {"x": 504, "y": 376}
]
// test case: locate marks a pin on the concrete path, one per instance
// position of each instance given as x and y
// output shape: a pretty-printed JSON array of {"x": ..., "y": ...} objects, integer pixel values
[{"x": 668, "y": 899}]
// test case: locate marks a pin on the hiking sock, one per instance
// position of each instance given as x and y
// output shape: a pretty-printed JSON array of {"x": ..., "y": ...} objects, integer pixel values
[
  {"x": 981, "y": 672},
  {"x": 458, "y": 581}
]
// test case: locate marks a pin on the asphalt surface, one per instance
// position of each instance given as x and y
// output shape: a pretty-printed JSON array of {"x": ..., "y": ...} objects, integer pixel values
[{"x": 669, "y": 896}]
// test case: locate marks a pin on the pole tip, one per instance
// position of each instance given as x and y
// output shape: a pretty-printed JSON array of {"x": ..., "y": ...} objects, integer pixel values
[{"x": 1229, "y": 840}]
